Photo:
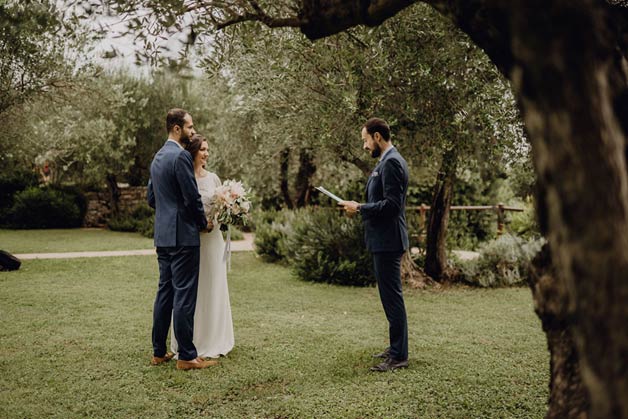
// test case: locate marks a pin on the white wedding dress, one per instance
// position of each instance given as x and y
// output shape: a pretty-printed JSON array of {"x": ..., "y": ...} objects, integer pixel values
[{"x": 213, "y": 326}]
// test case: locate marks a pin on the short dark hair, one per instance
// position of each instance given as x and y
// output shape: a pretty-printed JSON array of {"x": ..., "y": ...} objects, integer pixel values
[
  {"x": 195, "y": 144},
  {"x": 175, "y": 116},
  {"x": 374, "y": 125}
]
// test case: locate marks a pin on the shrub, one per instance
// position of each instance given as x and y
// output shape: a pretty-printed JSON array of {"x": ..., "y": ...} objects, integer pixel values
[
  {"x": 524, "y": 224},
  {"x": 140, "y": 219},
  {"x": 467, "y": 229},
  {"x": 270, "y": 233},
  {"x": 146, "y": 227},
  {"x": 502, "y": 262},
  {"x": 322, "y": 245},
  {"x": 266, "y": 243},
  {"x": 11, "y": 182},
  {"x": 122, "y": 222},
  {"x": 260, "y": 217},
  {"x": 77, "y": 195},
  {"x": 16, "y": 180},
  {"x": 46, "y": 208},
  {"x": 142, "y": 212}
]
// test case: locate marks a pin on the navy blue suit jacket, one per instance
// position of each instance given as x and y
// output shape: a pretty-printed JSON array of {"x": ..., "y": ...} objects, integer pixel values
[
  {"x": 384, "y": 213},
  {"x": 173, "y": 192}
]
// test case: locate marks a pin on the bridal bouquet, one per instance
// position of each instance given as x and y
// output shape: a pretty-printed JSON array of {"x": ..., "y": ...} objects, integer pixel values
[{"x": 230, "y": 205}]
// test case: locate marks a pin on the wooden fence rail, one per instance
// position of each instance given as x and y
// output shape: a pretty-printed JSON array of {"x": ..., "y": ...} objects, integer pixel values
[{"x": 500, "y": 209}]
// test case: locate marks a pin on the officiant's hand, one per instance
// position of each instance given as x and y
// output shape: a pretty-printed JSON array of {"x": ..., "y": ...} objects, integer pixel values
[{"x": 350, "y": 207}]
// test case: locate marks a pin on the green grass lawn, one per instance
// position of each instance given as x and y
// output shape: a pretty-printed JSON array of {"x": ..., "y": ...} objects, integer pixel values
[
  {"x": 70, "y": 240},
  {"x": 76, "y": 343}
]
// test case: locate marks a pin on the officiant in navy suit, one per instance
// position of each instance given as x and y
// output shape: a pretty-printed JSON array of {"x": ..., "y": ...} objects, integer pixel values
[
  {"x": 386, "y": 234},
  {"x": 179, "y": 217}
]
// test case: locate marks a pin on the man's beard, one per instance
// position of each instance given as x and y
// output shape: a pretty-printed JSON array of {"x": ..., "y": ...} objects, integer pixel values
[
  {"x": 185, "y": 139},
  {"x": 376, "y": 152}
]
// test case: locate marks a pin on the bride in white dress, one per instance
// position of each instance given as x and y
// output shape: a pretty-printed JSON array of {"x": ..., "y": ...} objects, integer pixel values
[{"x": 213, "y": 326}]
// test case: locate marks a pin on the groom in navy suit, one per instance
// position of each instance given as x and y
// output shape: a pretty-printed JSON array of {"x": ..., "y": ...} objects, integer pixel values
[
  {"x": 386, "y": 234},
  {"x": 179, "y": 216}
]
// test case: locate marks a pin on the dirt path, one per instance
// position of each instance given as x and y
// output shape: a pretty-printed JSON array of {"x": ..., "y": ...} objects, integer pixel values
[{"x": 236, "y": 246}]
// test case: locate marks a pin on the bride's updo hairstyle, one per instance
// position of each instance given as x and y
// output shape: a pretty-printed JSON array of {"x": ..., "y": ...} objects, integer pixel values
[{"x": 195, "y": 144}]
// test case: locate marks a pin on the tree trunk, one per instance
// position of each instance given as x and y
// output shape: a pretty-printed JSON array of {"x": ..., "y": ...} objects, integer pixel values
[
  {"x": 413, "y": 276},
  {"x": 307, "y": 168},
  {"x": 562, "y": 79},
  {"x": 568, "y": 396},
  {"x": 364, "y": 167},
  {"x": 114, "y": 194},
  {"x": 436, "y": 250},
  {"x": 284, "y": 161},
  {"x": 139, "y": 169}
]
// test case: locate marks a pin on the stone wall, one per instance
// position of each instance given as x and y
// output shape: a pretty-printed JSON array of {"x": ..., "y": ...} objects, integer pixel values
[{"x": 99, "y": 207}]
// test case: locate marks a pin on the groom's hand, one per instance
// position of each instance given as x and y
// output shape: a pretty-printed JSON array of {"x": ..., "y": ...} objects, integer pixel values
[
  {"x": 210, "y": 226},
  {"x": 350, "y": 207}
]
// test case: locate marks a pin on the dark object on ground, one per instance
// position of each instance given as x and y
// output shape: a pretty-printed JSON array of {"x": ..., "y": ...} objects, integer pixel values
[{"x": 8, "y": 262}]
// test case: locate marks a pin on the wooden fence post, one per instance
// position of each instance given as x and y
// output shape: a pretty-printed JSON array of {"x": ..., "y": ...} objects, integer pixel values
[
  {"x": 500, "y": 219},
  {"x": 422, "y": 211}
]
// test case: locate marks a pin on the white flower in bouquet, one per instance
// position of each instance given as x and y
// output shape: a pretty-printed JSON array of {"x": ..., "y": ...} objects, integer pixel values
[
  {"x": 230, "y": 205},
  {"x": 207, "y": 205}
]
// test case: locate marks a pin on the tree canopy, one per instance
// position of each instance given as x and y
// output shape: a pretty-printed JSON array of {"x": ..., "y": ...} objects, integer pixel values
[{"x": 566, "y": 60}]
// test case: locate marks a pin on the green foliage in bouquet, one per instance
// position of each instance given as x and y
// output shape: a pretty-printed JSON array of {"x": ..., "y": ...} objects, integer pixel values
[
  {"x": 505, "y": 261},
  {"x": 229, "y": 205}
]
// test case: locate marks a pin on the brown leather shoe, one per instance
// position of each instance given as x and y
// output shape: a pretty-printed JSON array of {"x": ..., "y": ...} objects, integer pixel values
[
  {"x": 390, "y": 365},
  {"x": 158, "y": 360},
  {"x": 195, "y": 364},
  {"x": 384, "y": 355}
]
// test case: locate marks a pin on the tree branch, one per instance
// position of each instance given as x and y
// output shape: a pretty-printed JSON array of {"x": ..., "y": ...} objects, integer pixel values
[
  {"x": 324, "y": 18},
  {"x": 259, "y": 15},
  {"x": 271, "y": 22}
]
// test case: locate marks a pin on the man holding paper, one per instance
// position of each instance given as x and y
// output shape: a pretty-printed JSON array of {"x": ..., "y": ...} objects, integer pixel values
[{"x": 386, "y": 234}]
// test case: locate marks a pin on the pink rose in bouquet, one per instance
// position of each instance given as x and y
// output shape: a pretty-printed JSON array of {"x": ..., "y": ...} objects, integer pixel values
[{"x": 230, "y": 205}]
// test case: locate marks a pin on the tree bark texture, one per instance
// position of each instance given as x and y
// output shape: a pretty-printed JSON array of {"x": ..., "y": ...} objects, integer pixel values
[
  {"x": 568, "y": 396},
  {"x": 436, "y": 250},
  {"x": 326, "y": 17},
  {"x": 562, "y": 79}
]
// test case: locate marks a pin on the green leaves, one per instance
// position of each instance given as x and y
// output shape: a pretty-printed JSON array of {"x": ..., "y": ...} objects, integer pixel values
[{"x": 34, "y": 42}]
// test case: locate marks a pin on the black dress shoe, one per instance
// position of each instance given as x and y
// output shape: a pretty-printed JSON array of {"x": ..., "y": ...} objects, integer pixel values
[
  {"x": 389, "y": 365},
  {"x": 383, "y": 355}
]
